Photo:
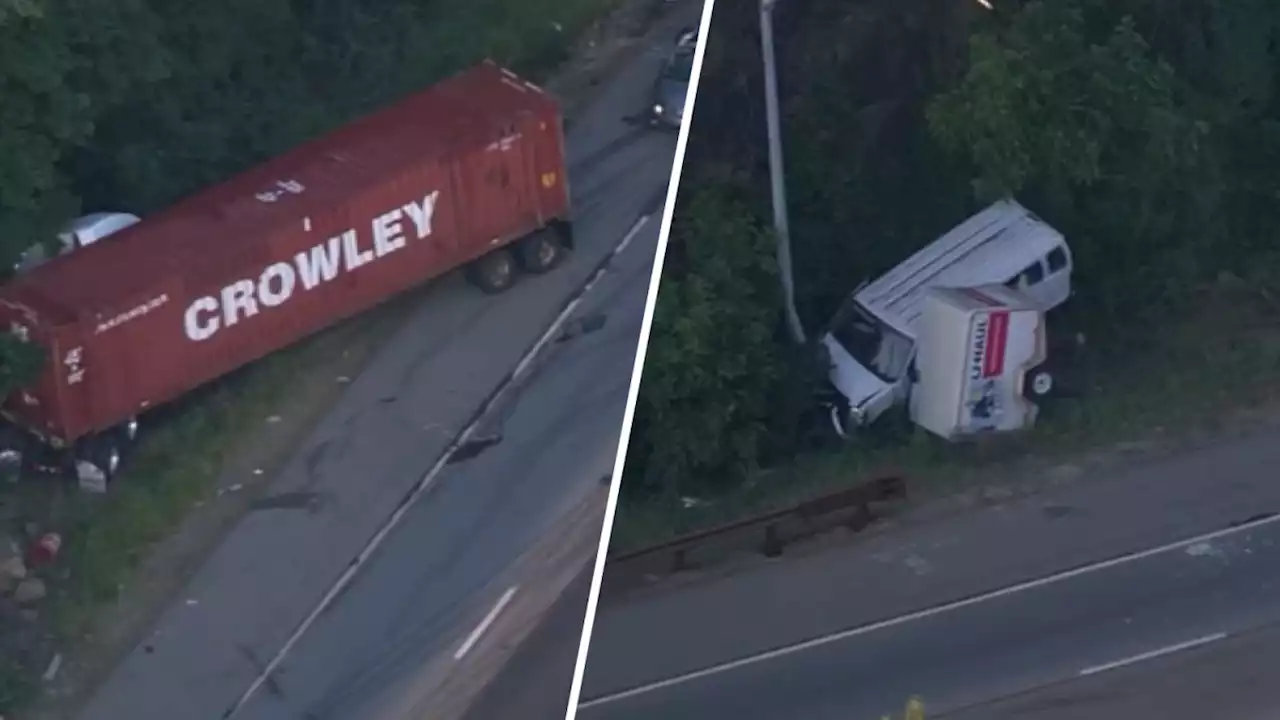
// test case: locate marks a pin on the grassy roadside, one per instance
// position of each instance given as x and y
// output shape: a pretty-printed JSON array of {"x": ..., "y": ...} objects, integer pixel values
[
  {"x": 106, "y": 539},
  {"x": 1214, "y": 371}
]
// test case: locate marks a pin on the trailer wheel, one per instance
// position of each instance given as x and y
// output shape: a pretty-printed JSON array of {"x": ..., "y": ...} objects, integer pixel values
[
  {"x": 539, "y": 252},
  {"x": 106, "y": 453},
  {"x": 129, "y": 431},
  {"x": 493, "y": 273}
]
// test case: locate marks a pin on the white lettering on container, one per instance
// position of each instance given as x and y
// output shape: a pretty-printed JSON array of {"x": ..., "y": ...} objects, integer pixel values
[
  {"x": 276, "y": 293},
  {"x": 421, "y": 214},
  {"x": 73, "y": 361},
  {"x": 132, "y": 314},
  {"x": 202, "y": 328},
  {"x": 278, "y": 282},
  {"x": 238, "y": 299},
  {"x": 292, "y": 187},
  {"x": 386, "y": 233},
  {"x": 319, "y": 264},
  {"x": 355, "y": 257}
]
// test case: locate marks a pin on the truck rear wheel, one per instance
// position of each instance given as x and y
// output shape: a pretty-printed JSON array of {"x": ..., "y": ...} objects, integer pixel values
[
  {"x": 493, "y": 273},
  {"x": 1039, "y": 384},
  {"x": 540, "y": 252}
]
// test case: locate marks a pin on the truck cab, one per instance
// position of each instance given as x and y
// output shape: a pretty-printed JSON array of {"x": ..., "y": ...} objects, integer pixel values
[
  {"x": 79, "y": 233},
  {"x": 871, "y": 343}
]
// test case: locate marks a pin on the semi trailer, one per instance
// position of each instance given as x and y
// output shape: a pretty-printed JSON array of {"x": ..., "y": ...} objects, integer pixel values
[{"x": 468, "y": 174}]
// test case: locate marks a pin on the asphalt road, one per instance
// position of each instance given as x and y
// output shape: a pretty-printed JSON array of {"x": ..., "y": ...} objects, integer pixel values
[
  {"x": 1229, "y": 680},
  {"x": 988, "y": 604},
  {"x": 532, "y": 684},
  {"x": 559, "y": 433},
  {"x": 429, "y": 583}
]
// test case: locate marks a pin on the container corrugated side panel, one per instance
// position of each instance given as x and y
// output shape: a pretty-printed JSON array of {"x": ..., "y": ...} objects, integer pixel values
[
  {"x": 520, "y": 107},
  {"x": 494, "y": 189},
  {"x": 327, "y": 267},
  {"x": 137, "y": 363},
  {"x": 549, "y": 158}
]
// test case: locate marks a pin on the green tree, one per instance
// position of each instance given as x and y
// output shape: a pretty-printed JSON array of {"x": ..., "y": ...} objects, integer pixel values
[
  {"x": 20, "y": 363},
  {"x": 704, "y": 409},
  {"x": 1083, "y": 117}
]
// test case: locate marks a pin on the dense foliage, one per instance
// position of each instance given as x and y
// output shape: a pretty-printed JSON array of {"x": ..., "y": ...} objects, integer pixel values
[
  {"x": 130, "y": 104},
  {"x": 1147, "y": 130},
  {"x": 702, "y": 400}
]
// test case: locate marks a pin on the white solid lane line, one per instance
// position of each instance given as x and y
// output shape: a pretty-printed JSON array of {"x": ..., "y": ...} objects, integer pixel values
[
  {"x": 476, "y": 634},
  {"x": 927, "y": 612},
  {"x": 1150, "y": 655}
]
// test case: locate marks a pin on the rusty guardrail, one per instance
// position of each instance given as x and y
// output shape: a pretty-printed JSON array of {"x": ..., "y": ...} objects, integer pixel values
[{"x": 767, "y": 534}]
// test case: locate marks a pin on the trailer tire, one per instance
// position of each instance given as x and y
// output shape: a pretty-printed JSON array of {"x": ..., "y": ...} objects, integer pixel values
[
  {"x": 540, "y": 252},
  {"x": 494, "y": 272},
  {"x": 107, "y": 453},
  {"x": 129, "y": 431}
]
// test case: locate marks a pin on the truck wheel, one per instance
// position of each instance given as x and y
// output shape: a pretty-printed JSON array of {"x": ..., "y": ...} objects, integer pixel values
[
  {"x": 493, "y": 273},
  {"x": 838, "y": 413},
  {"x": 539, "y": 252},
  {"x": 1039, "y": 384}
]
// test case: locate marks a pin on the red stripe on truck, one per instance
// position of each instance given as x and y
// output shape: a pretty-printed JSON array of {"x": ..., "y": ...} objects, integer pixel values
[{"x": 997, "y": 340}]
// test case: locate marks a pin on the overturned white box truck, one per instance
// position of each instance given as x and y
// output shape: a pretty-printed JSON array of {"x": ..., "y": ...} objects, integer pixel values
[
  {"x": 982, "y": 362},
  {"x": 872, "y": 342}
]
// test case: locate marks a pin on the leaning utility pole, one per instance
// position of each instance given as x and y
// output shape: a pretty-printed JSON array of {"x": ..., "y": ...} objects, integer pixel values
[{"x": 776, "y": 176}]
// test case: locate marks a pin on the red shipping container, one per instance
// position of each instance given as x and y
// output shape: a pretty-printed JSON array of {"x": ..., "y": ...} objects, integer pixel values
[{"x": 282, "y": 251}]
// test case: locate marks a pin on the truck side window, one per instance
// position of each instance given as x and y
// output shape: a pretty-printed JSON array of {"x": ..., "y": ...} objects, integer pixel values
[
  {"x": 1034, "y": 273},
  {"x": 1057, "y": 259}
]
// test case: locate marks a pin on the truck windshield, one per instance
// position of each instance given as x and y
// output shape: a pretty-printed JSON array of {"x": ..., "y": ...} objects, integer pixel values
[{"x": 876, "y": 346}]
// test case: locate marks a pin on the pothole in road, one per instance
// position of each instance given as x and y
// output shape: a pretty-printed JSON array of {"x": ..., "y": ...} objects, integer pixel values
[
  {"x": 584, "y": 325},
  {"x": 472, "y": 449}
]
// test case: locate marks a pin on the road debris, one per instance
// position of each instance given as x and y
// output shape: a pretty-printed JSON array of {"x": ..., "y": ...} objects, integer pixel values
[
  {"x": 55, "y": 664},
  {"x": 30, "y": 591}
]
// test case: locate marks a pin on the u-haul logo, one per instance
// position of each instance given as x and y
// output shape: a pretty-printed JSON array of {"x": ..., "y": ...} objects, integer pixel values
[
  {"x": 321, "y": 263},
  {"x": 990, "y": 337}
]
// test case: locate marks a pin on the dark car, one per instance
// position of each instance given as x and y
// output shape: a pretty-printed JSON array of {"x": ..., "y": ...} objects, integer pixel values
[{"x": 671, "y": 86}]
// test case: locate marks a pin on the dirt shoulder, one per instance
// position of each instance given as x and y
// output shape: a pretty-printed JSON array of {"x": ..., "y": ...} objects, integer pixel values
[{"x": 126, "y": 555}]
